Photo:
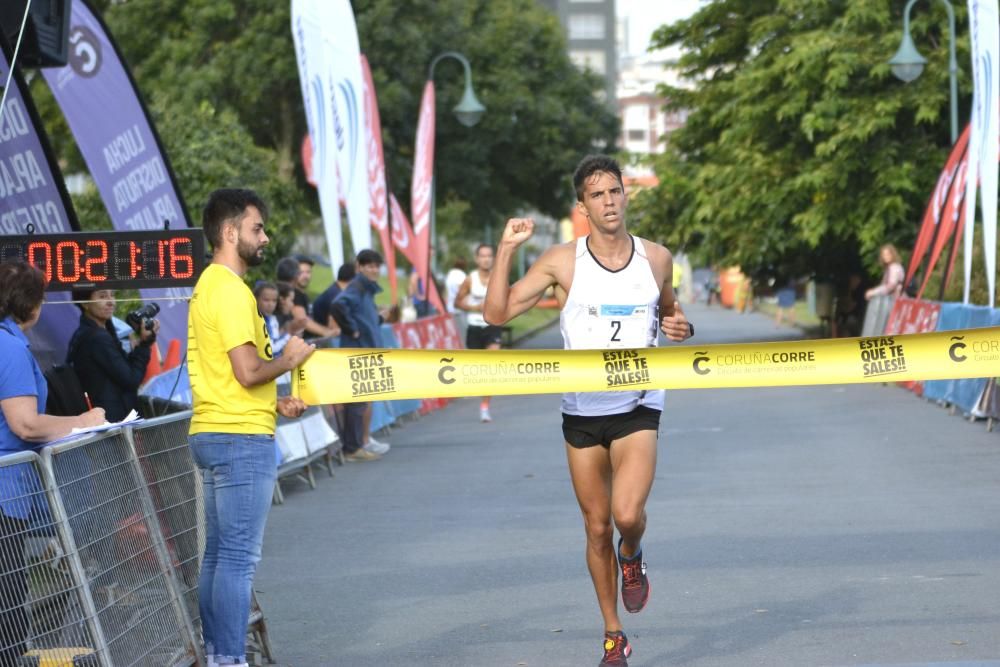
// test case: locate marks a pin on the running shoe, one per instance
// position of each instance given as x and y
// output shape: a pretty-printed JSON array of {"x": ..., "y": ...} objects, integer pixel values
[
  {"x": 616, "y": 649},
  {"x": 484, "y": 414},
  {"x": 635, "y": 585},
  {"x": 376, "y": 446}
]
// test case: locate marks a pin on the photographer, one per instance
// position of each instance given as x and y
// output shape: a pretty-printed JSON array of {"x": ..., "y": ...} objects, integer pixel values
[{"x": 108, "y": 375}]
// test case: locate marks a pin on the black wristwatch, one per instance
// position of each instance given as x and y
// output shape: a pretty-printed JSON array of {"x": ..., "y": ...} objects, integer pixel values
[{"x": 690, "y": 330}]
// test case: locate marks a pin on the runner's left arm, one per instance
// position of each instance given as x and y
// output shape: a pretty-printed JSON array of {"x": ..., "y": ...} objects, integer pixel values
[{"x": 673, "y": 322}]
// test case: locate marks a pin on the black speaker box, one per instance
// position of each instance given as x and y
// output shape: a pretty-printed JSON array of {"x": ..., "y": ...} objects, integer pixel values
[{"x": 46, "y": 34}]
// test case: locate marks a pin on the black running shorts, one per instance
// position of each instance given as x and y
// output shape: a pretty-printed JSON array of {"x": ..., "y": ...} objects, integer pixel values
[
  {"x": 582, "y": 432},
  {"x": 477, "y": 338}
]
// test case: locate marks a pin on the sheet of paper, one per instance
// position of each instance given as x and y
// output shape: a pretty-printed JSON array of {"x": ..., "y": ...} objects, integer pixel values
[{"x": 132, "y": 416}]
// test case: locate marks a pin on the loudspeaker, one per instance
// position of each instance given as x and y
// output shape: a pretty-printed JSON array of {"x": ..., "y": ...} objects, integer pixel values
[{"x": 46, "y": 34}]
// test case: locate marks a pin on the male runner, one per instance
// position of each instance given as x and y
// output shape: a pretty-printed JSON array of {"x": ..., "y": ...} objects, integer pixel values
[
  {"x": 615, "y": 292},
  {"x": 479, "y": 335}
]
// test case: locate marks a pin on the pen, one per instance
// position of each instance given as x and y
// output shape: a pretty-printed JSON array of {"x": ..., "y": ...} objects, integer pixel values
[{"x": 90, "y": 406}]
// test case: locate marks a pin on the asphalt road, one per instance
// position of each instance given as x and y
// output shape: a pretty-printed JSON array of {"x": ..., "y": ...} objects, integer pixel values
[{"x": 837, "y": 526}]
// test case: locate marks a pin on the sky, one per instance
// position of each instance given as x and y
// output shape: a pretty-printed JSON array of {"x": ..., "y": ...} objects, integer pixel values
[{"x": 645, "y": 16}]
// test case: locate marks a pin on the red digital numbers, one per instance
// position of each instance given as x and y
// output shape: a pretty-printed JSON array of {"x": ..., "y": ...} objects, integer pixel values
[
  {"x": 133, "y": 259},
  {"x": 45, "y": 263},
  {"x": 62, "y": 248},
  {"x": 176, "y": 258},
  {"x": 113, "y": 259},
  {"x": 92, "y": 262}
]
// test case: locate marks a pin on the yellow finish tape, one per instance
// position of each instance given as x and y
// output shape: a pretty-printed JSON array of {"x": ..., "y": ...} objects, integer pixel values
[{"x": 351, "y": 375}]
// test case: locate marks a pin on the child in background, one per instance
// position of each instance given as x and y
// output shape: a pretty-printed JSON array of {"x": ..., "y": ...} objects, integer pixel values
[{"x": 267, "y": 303}]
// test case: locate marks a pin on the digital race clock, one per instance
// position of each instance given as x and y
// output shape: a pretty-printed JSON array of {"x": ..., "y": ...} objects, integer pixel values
[{"x": 112, "y": 260}]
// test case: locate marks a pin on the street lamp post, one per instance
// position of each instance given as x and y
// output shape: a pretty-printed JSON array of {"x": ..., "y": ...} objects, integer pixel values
[
  {"x": 908, "y": 64},
  {"x": 468, "y": 111}
]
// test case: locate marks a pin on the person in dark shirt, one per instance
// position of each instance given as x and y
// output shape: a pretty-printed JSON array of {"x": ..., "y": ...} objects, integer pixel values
[
  {"x": 290, "y": 270},
  {"x": 360, "y": 327},
  {"x": 849, "y": 313},
  {"x": 110, "y": 377},
  {"x": 321, "y": 307}
]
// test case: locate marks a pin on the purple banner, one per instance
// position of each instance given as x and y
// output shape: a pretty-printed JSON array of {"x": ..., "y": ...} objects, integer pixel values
[
  {"x": 117, "y": 140},
  {"x": 29, "y": 191},
  {"x": 33, "y": 198}
]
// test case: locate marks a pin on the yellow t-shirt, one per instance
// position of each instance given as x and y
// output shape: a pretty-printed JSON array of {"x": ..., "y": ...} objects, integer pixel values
[{"x": 222, "y": 317}]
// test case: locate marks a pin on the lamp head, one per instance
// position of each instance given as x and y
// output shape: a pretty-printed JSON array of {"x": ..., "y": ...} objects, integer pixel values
[
  {"x": 907, "y": 64},
  {"x": 469, "y": 109}
]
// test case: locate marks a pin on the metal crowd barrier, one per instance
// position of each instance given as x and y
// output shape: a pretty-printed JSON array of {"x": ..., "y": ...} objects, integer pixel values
[
  {"x": 102, "y": 570},
  {"x": 161, "y": 448},
  {"x": 42, "y": 602},
  {"x": 131, "y": 597}
]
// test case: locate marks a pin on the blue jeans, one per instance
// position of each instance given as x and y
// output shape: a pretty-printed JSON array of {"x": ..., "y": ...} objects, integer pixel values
[{"x": 238, "y": 474}]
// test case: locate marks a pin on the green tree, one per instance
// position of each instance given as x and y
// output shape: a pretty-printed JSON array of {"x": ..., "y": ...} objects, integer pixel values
[
  {"x": 237, "y": 55},
  {"x": 802, "y": 153},
  {"x": 211, "y": 149},
  {"x": 542, "y": 115},
  {"x": 238, "y": 58}
]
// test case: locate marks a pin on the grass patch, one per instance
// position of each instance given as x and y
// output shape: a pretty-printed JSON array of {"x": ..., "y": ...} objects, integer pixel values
[
  {"x": 532, "y": 319},
  {"x": 804, "y": 317}
]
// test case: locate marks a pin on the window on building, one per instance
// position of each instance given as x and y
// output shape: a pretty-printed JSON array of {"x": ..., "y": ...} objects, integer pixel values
[
  {"x": 586, "y": 26},
  {"x": 637, "y": 135},
  {"x": 591, "y": 59}
]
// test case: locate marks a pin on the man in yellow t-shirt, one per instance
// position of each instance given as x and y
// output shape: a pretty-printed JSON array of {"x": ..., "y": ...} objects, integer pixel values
[{"x": 233, "y": 373}]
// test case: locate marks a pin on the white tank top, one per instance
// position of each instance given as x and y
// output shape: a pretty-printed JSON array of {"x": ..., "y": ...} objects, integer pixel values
[
  {"x": 477, "y": 294},
  {"x": 606, "y": 310}
]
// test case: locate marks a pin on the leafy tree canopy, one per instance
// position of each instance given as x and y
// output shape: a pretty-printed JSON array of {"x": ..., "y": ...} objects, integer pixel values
[
  {"x": 237, "y": 56},
  {"x": 802, "y": 153}
]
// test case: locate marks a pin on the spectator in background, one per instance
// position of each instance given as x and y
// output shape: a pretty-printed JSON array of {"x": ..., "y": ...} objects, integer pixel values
[
  {"x": 360, "y": 327},
  {"x": 713, "y": 291},
  {"x": 110, "y": 377},
  {"x": 284, "y": 312},
  {"x": 306, "y": 265},
  {"x": 850, "y": 310},
  {"x": 267, "y": 303},
  {"x": 786, "y": 304},
  {"x": 23, "y": 427},
  {"x": 321, "y": 308},
  {"x": 290, "y": 271},
  {"x": 893, "y": 274},
  {"x": 417, "y": 292},
  {"x": 453, "y": 282}
]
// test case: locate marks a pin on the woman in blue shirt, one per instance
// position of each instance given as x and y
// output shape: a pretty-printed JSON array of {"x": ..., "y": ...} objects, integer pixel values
[{"x": 23, "y": 427}]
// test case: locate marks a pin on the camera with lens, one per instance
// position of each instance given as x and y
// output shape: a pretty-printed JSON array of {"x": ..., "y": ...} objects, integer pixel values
[{"x": 142, "y": 318}]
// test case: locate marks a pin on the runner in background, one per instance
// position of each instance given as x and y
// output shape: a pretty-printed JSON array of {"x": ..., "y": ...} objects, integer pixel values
[{"x": 479, "y": 335}]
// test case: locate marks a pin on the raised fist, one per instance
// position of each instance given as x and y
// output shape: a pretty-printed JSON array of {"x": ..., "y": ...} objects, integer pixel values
[{"x": 517, "y": 231}]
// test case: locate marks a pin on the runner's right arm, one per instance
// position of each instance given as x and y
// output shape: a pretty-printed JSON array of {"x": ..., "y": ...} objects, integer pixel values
[
  {"x": 503, "y": 301},
  {"x": 463, "y": 292}
]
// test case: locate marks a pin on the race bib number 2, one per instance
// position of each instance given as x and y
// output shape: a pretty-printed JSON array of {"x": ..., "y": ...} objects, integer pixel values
[{"x": 626, "y": 326}]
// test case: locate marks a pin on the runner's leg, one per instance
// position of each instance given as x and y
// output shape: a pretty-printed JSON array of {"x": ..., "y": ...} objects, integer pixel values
[
  {"x": 485, "y": 400},
  {"x": 590, "y": 471},
  {"x": 633, "y": 465}
]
